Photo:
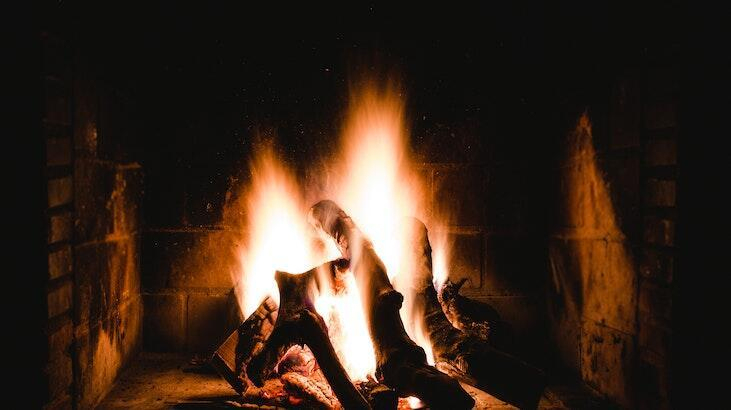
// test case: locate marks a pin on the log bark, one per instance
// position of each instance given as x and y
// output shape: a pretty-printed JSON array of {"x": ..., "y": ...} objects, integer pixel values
[
  {"x": 299, "y": 323},
  {"x": 401, "y": 363},
  {"x": 466, "y": 356},
  {"x": 231, "y": 358}
]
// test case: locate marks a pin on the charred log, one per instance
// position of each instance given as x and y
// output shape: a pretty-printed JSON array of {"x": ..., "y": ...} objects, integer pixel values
[
  {"x": 299, "y": 323},
  {"x": 401, "y": 363},
  {"x": 466, "y": 356},
  {"x": 474, "y": 317},
  {"x": 231, "y": 358}
]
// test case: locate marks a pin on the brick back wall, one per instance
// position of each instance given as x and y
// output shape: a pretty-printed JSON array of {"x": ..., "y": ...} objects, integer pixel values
[{"x": 94, "y": 305}]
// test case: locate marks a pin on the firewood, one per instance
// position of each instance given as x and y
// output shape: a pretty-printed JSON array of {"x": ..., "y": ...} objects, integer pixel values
[
  {"x": 474, "y": 317},
  {"x": 299, "y": 323},
  {"x": 316, "y": 391},
  {"x": 231, "y": 357},
  {"x": 466, "y": 356},
  {"x": 400, "y": 363}
]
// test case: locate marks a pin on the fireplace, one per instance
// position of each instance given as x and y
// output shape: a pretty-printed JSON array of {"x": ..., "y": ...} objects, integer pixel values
[{"x": 421, "y": 218}]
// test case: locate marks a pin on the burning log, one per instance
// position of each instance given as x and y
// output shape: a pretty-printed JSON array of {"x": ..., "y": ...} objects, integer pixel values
[
  {"x": 231, "y": 358},
  {"x": 473, "y": 317},
  {"x": 400, "y": 363},
  {"x": 464, "y": 355},
  {"x": 299, "y": 323}
]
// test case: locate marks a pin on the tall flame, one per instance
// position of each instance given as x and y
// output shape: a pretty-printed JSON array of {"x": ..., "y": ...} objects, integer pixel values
[
  {"x": 379, "y": 188},
  {"x": 277, "y": 237}
]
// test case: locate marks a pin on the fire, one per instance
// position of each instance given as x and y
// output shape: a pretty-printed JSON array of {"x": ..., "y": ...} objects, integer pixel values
[
  {"x": 278, "y": 237},
  {"x": 348, "y": 329},
  {"x": 379, "y": 187}
]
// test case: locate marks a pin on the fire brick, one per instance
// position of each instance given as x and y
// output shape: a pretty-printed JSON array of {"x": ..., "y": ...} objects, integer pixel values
[
  {"x": 59, "y": 300},
  {"x": 657, "y": 265},
  {"x": 607, "y": 358},
  {"x": 58, "y": 151},
  {"x": 660, "y": 192},
  {"x": 59, "y": 262},
  {"x": 60, "y": 191},
  {"x": 659, "y": 231},
  {"x": 164, "y": 322},
  {"x": 661, "y": 152},
  {"x": 60, "y": 227}
]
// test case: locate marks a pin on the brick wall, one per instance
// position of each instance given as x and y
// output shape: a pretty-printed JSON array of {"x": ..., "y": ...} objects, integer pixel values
[
  {"x": 611, "y": 250},
  {"x": 93, "y": 297}
]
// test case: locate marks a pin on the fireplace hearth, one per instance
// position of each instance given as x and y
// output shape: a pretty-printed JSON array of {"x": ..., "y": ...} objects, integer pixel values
[{"x": 383, "y": 213}]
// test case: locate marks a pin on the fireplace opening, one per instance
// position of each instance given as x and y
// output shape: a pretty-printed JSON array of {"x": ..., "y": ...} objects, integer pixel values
[{"x": 246, "y": 212}]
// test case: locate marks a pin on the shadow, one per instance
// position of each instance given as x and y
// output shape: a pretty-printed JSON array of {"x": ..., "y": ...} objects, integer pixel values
[{"x": 210, "y": 402}]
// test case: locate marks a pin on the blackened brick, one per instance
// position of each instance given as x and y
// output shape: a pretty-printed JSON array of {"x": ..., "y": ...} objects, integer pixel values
[
  {"x": 661, "y": 114},
  {"x": 60, "y": 262},
  {"x": 211, "y": 318},
  {"x": 661, "y": 152},
  {"x": 60, "y": 299},
  {"x": 60, "y": 227},
  {"x": 660, "y": 192},
  {"x": 465, "y": 260},
  {"x": 657, "y": 265},
  {"x": 659, "y": 231},
  {"x": 655, "y": 303},
  {"x": 58, "y": 151},
  {"x": 60, "y": 191},
  {"x": 164, "y": 322}
]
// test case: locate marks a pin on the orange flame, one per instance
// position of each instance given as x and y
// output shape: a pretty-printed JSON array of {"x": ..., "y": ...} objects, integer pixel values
[
  {"x": 278, "y": 238},
  {"x": 379, "y": 188}
]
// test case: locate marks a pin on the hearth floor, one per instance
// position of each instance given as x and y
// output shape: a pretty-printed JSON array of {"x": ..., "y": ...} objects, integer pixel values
[{"x": 165, "y": 381}]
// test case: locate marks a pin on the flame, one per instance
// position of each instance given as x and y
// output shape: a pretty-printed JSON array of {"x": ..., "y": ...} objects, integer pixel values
[
  {"x": 440, "y": 257},
  {"x": 381, "y": 187},
  {"x": 348, "y": 329},
  {"x": 278, "y": 238}
]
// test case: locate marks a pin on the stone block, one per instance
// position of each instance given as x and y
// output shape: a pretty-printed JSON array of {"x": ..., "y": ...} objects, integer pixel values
[
  {"x": 661, "y": 152},
  {"x": 466, "y": 260},
  {"x": 60, "y": 227},
  {"x": 164, "y": 322},
  {"x": 57, "y": 103},
  {"x": 660, "y": 192},
  {"x": 661, "y": 114},
  {"x": 655, "y": 338},
  {"x": 59, "y": 342},
  {"x": 211, "y": 318},
  {"x": 460, "y": 193},
  {"x": 60, "y": 299},
  {"x": 60, "y": 262},
  {"x": 609, "y": 284},
  {"x": 655, "y": 303},
  {"x": 659, "y": 231},
  {"x": 657, "y": 265},
  {"x": 60, "y": 191},
  {"x": 107, "y": 274},
  {"x": 607, "y": 358},
  {"x": 512, "y": 265},
  {"x": 59, "y": 374},
  {"x": 188, "y": 259},
  {"x": 625, "y": 109},
  {"x": 58, "y": 151}
]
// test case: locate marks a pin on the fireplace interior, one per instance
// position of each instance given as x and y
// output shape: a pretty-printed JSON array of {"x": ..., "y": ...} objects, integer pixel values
[{"x": 542, "y": 144}]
